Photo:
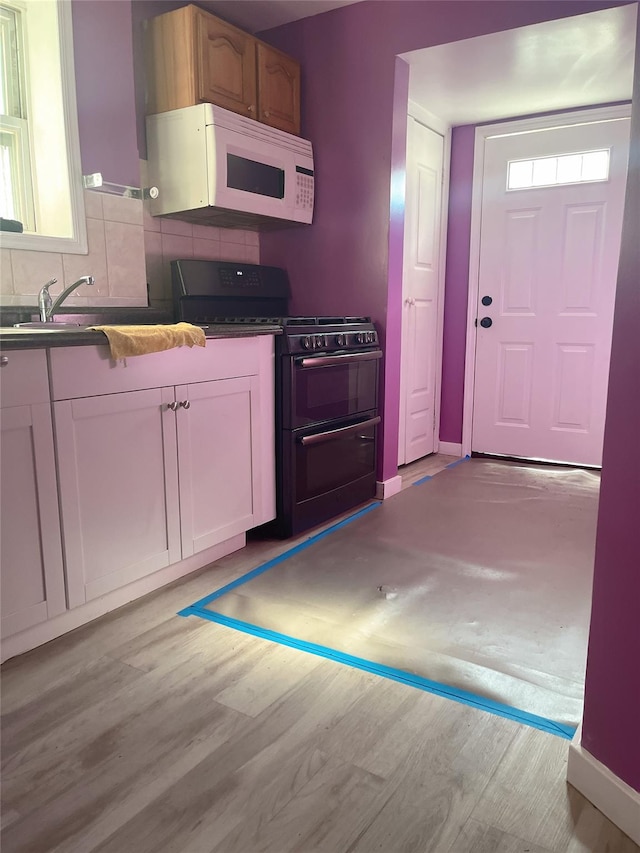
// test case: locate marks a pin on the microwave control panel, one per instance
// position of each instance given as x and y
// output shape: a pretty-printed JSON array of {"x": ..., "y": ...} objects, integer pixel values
[{"x": 304, "y": 189}]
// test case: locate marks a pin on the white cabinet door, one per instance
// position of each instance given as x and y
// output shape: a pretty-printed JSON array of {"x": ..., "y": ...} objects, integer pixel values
[
  {"x": 30, "y": 547},
  {"x": 219, "y": 454},
  {"x": 118, "y": 489}
]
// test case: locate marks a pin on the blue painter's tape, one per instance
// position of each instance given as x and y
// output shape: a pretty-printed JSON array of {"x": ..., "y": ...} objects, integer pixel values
[
  {"x": 457, "y": 695},
  {"x": 282, "y": 557},
  {"x": 422, "y": 480},
  {"x": 458, "y": 462}
]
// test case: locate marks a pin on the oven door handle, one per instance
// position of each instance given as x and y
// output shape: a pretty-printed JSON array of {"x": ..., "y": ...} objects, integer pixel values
[
  {"x": 332, "y": 360},
  {"x": 330, "y": 435}
]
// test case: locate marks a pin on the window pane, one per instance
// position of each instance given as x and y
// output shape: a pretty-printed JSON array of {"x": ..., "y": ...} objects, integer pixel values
[
  {"x": 569, "y": 168},
  {"x": 595, "y": 166},
  {"x": 566, "y": 169},
  {"x": 544, "y": 171},
  {"x": 520, "y": 174},
  {"x": 10, "y": 71}
]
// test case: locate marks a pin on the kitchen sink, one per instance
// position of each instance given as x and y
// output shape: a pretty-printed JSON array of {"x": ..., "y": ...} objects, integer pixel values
[
  {"x": 38, "y": 325},
  {"x": 41, "y": 329}
]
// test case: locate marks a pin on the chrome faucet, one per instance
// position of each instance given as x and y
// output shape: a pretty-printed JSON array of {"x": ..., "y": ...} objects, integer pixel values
[{"x": 47, "y": 306}]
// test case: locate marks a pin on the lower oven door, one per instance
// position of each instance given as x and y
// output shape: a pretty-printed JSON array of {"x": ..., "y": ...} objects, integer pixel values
[
  {"x": 327, "y": 471},
  {"x": 321, "y": 388}
]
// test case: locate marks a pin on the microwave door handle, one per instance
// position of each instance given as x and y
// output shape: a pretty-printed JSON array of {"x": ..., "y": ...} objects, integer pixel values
[
  {"x": 330, "y": 435},
  {"x": 333, "y": 360}
]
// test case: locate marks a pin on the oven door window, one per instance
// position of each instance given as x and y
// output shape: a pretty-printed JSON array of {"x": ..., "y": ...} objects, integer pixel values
[
  {"x": 328, "y": 393},
  {"x": 337, "y": 457}
]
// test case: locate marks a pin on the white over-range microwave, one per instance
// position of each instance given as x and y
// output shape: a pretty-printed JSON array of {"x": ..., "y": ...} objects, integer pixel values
[{"x": 216, "y": 167}]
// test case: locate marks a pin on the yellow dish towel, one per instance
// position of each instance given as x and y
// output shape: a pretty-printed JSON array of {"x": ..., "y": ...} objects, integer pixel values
[{"x": 140, "y": 340}]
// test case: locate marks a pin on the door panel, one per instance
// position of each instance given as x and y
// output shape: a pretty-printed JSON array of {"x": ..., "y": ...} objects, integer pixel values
[
  {"x": 548, "y": 260},
  {"x": 217, "y": 440},
  {"x": 425, "y": 151},
  {"x": 118, "y": 489}
]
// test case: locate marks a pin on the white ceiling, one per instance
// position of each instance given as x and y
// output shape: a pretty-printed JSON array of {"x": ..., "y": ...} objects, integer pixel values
[
  {"x": 257, "y": 15},
  {"x": 577, "y": 61}
]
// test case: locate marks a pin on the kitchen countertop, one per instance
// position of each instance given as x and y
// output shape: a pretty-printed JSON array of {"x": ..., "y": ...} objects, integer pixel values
[{"x": 11, "y": 339}]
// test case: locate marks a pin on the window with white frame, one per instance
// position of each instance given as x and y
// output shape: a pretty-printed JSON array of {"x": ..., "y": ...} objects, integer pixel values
[
  {"x": 581, "y": 167},
  {"x": 40, "y": 174}
]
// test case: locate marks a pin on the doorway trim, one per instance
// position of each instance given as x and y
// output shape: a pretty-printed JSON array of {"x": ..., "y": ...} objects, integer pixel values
[
  {"x": 442, "y": 128},
  {"x": 504, "y": 128}
]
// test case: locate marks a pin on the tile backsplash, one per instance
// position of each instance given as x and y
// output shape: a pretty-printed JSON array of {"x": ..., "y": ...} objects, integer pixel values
[
  {"x": 129, "y": 255},
  {"x": 116, "y": 259},
  {"x": 169, "y": 239}
]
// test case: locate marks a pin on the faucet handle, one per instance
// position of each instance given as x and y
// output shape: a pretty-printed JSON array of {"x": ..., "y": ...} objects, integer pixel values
[{"x": 45, "y": 301}]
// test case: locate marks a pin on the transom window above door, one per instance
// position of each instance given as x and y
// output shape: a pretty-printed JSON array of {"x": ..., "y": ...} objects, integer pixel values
[{"x": 581, "y": 167}]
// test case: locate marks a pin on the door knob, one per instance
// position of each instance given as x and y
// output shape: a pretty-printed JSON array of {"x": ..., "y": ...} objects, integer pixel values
[
  {"x": 487, "y": 300},
  {"x": 486, "y": 322},
  {"x": 410, "y": 300}
]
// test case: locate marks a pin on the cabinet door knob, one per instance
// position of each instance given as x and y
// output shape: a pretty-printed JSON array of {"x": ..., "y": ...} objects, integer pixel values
[
  {"x": 173, "y": 406},
  {"x": 251, "y": 108},
  {"x": 4, "y": 360},
  {"x": 185, "y": 404}
]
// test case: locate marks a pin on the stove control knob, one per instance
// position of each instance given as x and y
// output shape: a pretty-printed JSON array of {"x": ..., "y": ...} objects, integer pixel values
[
  {"x": 360, "y": 338},
  {"x": 341, "y": 340},
  {"x": 370, "y": 337},
  {"x": 306, "y": 342},
  {"x": 319, "y": 341}
]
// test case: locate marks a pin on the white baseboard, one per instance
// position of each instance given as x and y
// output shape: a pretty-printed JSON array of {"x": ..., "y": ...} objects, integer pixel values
[
  {"x": 387, "y": 488},
  {"x": 30, "y": 638},
  {"x": 450, "y": 448},
  {"x": 609, "y": 794}
]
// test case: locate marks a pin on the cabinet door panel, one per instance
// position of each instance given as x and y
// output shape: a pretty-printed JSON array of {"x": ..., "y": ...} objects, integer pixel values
[
  {"x": 278, "y": 89},
  {"x": 118, "y": 487},
  {"x": 226, "y": 65},
  {"x": 217, "y": 443},
  {"x": 30, "y": 547}
]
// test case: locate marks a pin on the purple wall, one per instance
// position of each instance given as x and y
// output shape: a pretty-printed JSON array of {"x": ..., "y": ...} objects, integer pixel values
[
  {"x": 105, "y": 91},
  {"x": 612, "y": 690},
  {"x": 456, "y": 283},
  {"x": 341, "y": 263}
]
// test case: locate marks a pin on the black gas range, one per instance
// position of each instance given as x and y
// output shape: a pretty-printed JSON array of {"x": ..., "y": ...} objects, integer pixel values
[{"x": 326, "y": 379}]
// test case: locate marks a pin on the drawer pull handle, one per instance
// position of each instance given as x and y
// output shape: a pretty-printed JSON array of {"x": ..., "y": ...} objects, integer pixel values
[
  {"x": 173, "y": 406},
  {"x": 4, "y": 360}
]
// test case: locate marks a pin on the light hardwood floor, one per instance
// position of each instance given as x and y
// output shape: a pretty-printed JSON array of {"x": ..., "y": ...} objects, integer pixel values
[{"x": 145, "y": 732}]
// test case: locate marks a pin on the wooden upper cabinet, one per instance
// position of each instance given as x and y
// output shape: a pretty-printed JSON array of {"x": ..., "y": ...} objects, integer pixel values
[
  {"x": 225, "y": 65},
  {"x": 193, "y": 57},
  {"x": 278, "y": 89}
]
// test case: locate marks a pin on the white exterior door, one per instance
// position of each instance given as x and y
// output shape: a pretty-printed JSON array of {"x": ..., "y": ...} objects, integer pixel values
[
  {"x": 421, "y": 280},
  {"x": 550, "y": 240}
]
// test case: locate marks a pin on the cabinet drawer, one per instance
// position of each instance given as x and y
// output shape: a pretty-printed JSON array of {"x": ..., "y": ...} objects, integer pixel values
[
  {"x": 23, "y": 377},
  {"x": 90, "y": 371}
]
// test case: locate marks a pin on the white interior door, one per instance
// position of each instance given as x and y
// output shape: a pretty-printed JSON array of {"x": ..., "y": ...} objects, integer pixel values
[
  {"x": 550, "y": 241},
  {"x": 421, "y": 285}
]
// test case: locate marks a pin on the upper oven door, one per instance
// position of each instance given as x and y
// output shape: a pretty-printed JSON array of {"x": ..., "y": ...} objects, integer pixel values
[{"x": 328, "y": 387}]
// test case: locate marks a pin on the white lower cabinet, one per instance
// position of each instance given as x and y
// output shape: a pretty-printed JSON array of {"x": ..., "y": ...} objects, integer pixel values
[
  {"x": 151, "y": 477},
  {"x": 31, "y": 574},
  {"x": 160, "y": 464}
]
